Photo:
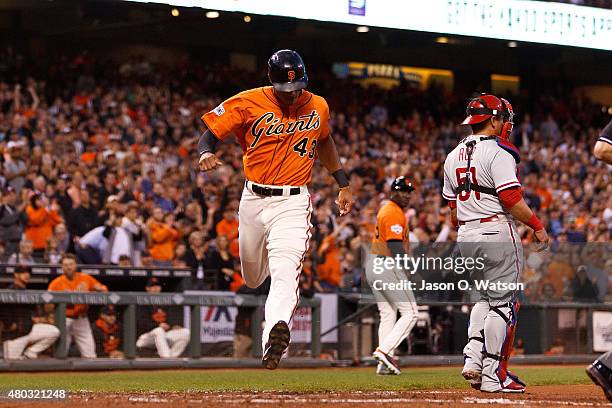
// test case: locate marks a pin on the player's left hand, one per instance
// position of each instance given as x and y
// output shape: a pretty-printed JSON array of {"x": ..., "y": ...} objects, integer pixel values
[
  {"x": 209, "y": 161},
  {"x": 543, "y": 240},
  {"x": 345, "y": 201}
]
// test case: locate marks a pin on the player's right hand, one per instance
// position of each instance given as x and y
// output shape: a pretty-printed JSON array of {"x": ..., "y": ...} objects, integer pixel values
[
  {"x": 543, "y": 240},
  {"x": 209, "y": 161},
  {"x": 345, "y": 201}
]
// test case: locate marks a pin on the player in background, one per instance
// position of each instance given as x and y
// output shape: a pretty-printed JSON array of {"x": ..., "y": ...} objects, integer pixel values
[
  {"x": 485, "y": 196},
  {"x": 391, "y": 239},
  {"x": 601, "y": 369},
  {"x": 170, "y": 340},
  {"x": 27, "y": 330},
  {"x": 77, "y": 322},
  {"x": 281, "y": 129},
  {"x": 603, "y": 146}
]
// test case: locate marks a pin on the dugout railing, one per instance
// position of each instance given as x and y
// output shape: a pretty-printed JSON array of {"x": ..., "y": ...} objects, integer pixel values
[{"x": 129, "y": 301}]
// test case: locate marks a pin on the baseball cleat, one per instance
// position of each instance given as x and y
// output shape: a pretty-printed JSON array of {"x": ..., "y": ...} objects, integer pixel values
[
  {"x": 389, "y": 362},
  {"x": 513, "y": 387},
  {"x": 601, "y": 375},
  {"x": 381, "y": 369},
  {"x": 278, "y": 341},
  {"x": 510, "y": 388},
  {"x": 473, "y": 377}
]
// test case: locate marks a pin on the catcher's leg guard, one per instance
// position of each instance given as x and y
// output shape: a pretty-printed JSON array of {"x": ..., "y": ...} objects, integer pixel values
[
  {"x": 606, "y": 359},
  {"x": 500, "y": 326},
  {"x": 473, "y": 350},
  {"x": 601, "y": 374}
]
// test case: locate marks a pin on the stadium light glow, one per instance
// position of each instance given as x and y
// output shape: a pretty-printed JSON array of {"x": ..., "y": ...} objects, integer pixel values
[
  {"x": 545, "y": 22},
  {"x": 212, "y": 14},
  {"x": 247, "y": 19},
  {"x": 363, "y": 29},
  {"x": 442, "y": 40},
  {"x": 175, "y": 12},
  {"x": 512, "y": 44}
]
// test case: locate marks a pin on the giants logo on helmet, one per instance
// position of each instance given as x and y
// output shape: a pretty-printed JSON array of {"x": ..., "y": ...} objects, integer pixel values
[
  {"x": 270, "y": 125},
  {"x": 291, "y": 75}
]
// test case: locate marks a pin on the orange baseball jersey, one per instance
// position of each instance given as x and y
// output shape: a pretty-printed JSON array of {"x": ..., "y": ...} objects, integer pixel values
[
  {"x": 279, "y": 143},
  {"x": 80, "y": 283},
  {"x": 390, "y": 224}
]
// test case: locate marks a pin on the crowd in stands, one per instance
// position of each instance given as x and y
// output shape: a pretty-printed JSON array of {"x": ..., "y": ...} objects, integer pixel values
[{"x": 99, "y": 160}]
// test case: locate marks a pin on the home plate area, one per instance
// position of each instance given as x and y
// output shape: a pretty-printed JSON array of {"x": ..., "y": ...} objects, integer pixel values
[{"x": 536, "y": 396}]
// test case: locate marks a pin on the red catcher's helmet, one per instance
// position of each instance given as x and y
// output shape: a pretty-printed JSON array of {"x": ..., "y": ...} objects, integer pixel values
[{"x": 486, "y": 106}]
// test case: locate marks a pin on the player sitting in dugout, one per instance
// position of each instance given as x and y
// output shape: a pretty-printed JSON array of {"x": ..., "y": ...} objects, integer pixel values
[
  {"x": 107, "y": 333},
  {"x": 157, "y": 333},
  {"x": 27, "y": 330}
]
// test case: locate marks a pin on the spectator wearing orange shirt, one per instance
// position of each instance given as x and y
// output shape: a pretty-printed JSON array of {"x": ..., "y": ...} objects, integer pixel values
[
  {"x": 163, "y": 237},
  {"x": 41, "y": 222},
  {"x": 228, "y": 226},
  {"x": 329, "y": 270},
  {"x": 89, "y": 156},
  {"x": 27, "y": 111},
  {"x": 81, "y": 101},
  {"x": 77, "y": 323},
  {"x": 545, "y": 196}
]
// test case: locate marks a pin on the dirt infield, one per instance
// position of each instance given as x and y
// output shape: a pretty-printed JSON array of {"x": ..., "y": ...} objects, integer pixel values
[{"x": 536, "y": 396}]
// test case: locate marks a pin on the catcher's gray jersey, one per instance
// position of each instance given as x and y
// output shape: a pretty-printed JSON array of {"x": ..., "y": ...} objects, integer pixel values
[{"x": 491, "y": 166}]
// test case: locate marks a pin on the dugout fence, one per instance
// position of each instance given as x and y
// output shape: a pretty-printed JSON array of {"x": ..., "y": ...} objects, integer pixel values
[
  {"x": 127, "y": 303},
  {"x": 580, "y": 327}
]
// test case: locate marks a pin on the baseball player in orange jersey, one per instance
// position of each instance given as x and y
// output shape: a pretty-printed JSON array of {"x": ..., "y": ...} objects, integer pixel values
[
  {"x": 391, "y": 239},
  {"x": 77, "y": 323},
  {"x": 484, "y": 193},
  {"x": 281, "y": 129}
]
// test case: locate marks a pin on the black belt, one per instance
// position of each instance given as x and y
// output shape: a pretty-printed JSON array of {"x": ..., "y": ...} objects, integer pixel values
[{"x": 271, "y": 191}]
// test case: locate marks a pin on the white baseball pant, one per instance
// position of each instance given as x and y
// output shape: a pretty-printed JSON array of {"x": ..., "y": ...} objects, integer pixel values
[
  {"x": 41, "y": 337},
  {"x": 274, "y": 234},
  {"x": 391, "y": 330},
  {"x": 169, "y": 344},
  {"x": 79, "y": 330},
  {"x": 493, "y": 317}
]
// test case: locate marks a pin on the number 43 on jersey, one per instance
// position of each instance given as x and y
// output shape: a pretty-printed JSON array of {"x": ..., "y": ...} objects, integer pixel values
[{"x": 302, "y": 148}]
